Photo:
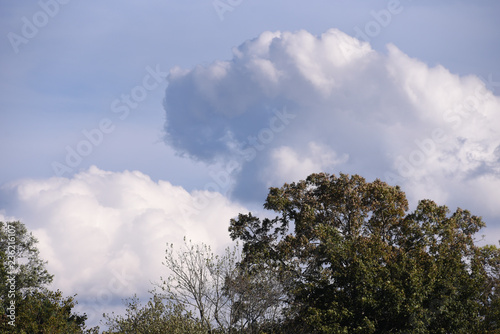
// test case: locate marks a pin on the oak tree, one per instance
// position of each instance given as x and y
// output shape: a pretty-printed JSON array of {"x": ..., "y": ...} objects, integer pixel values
[{"x": 353, "y": 259}]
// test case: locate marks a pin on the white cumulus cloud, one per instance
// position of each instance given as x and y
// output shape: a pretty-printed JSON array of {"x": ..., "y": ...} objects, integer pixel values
[
  {"x": 380, "y": 115},
  {"x": 104, "y": 234},
  {"x": 288, "y": 165}
]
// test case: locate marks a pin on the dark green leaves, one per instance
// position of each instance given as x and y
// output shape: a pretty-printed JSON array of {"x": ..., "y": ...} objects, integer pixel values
[{"x": 361, "y": 263}]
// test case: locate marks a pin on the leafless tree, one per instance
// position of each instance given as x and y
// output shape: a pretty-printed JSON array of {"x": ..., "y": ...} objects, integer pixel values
[{"x": 226, "y": 298}]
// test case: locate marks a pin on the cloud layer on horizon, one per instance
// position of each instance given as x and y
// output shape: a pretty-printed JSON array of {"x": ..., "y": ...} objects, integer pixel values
[
  {"x": 289, "y": 104},
  {"x": 104, "y": 234}
]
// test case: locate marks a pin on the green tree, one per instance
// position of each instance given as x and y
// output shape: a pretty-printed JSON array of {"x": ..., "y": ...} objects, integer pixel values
[
  {"x": 352, "y": 259},
  {"x": 27, "y": 305},
  {"x": 20, "y": 258},
  {"x": 45, "y": 311},
  {"x": 156, "y": 317}
]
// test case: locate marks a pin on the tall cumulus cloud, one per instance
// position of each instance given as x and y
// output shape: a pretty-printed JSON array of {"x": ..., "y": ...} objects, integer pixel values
[{"x": 289, "y": 104}]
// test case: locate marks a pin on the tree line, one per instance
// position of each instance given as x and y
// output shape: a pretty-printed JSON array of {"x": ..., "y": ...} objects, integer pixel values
[{"x": 341, "y": 255}]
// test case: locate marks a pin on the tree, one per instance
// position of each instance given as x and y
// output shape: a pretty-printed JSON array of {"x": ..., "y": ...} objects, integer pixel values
[
  {"x": 225, "y": 298},
  {"x": 45, "y": 311},
  {"x": 352, "y": 259},
  {"x": 157, "y": 317},
  {"x": 256, "y": 299},
  {"x": 20, "y": 259},
  {"x": 27, "y": 305},
  {"x": 196, "y": 281}
]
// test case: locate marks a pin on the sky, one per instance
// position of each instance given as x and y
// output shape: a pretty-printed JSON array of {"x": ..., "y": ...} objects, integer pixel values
[{"x": 127, "y": 125}]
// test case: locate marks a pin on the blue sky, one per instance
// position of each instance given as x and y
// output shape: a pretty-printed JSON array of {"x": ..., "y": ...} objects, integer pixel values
[{"x": 119, "y": 117}]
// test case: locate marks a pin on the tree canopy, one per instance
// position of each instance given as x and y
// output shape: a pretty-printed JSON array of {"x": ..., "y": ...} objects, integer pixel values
[
  {"x": 353, "y": 259},
  {"x": 28, "y": 306},
  {"x": 156, "y": 317}
]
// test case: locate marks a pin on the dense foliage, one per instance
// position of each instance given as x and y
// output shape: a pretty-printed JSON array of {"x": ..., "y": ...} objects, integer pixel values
[
  {"x": 156, "y": 317},
  {"x": 27, "y": 305},
  {"x": 353, "y": 260}
]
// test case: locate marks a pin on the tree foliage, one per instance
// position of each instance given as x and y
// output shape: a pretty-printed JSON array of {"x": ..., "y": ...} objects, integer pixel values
[
  {"x": 45, "y": 311},
  {"x": 28, "y": 306},
  {"x": 20, "y": 258},
  {"x": 156, "y": 317},
  {"x": 352, "y": 259}
]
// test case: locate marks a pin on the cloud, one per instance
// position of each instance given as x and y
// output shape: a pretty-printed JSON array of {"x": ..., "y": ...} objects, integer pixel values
[
  {"x": 351, "y": 109},
  {"x": 288, "y": 165},
  {"x": 104, "y": 234}
]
